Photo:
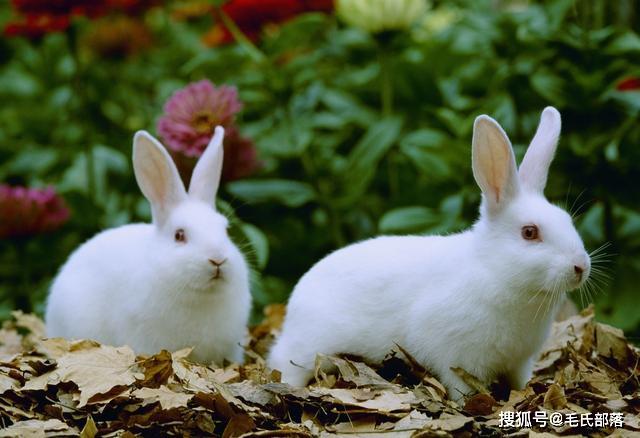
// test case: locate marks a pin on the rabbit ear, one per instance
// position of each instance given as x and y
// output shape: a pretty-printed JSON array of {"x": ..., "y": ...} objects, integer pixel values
[
  {"x": 535, "y": 165},
  {"x": 493, "y": 162},
  {"x": 157, "y": 176},
  {"x": 206, "y": 175}
]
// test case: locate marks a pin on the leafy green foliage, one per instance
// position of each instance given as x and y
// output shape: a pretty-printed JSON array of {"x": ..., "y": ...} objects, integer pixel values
[{"x": 337, "y": 165}]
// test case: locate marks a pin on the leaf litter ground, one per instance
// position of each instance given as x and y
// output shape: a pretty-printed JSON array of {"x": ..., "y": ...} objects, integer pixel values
[{"x": 53, "y": 387}]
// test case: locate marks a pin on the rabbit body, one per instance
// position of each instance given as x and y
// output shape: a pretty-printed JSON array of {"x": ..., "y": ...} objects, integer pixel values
[
  {"x": 482, "y": 300},
  {"x": 140, "y": 285}
]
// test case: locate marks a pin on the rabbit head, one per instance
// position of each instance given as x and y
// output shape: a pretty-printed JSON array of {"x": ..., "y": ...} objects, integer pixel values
[
  {"x": 191, "y": 236},
  {"x": 534, "y": 242}
]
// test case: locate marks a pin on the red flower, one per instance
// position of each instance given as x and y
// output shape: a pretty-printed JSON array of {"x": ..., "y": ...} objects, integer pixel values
[
  {"x": 629, "y": 84},
  {"x": 252, "y": 15},
  {"x": 240, "y": 156},
  {"x": 39, "y": 17},
  {"x": 58, "y": 7},
  {"x": 117, "y": 36},
  {"x": 25, "y": 211},
  {"x": 35, "y": 26}
]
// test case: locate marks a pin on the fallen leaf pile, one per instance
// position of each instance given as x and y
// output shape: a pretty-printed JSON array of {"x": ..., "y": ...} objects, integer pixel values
[{"x": 53, "y": 387}]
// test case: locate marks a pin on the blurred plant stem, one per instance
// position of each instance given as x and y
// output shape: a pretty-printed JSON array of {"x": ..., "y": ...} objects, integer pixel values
[
  {"x": 386, "y": 100},
  {"x": 22, "y": 300},
  {"x": 83, "y": 102},
  {"x": 386, "y": 81},
  {"x": 324, "y": 199},
  {"x": 241, "y": 38}
]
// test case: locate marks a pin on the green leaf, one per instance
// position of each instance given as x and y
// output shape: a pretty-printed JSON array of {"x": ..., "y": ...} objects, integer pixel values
[
  {"x": 505, "y": 112},
  {"x": 286, "y": 192},
  {"x": 30, "y": 162},
  {"x": 290, "y": 138},
  {"x": 549, "y": 85},
  {"x": 423, "y": 148},
  {"x": 591, "y": 224},
  {"x": 258, "y": 242},
  {"x": 628, "y": 42},
  {"x": 347, "y": 107},
  {"x": 408, "y": 220},
  {"x": 363, "y": 160}
]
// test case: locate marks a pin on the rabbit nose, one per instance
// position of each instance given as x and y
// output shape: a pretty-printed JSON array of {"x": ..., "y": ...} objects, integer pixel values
[
  {"x": 217, "y": 263},
  {"x": 578, "y": 270}
]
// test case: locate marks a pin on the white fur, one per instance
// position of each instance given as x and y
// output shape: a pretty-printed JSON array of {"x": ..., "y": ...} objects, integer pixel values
[
  {"x": 137, "y": 285},
  {"x": 480, "y": 299}
]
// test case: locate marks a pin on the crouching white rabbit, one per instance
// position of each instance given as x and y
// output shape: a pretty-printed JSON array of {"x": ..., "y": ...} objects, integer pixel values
[
  {"x": 175, "y": 283},
  {"x": 482, "y": 300}
]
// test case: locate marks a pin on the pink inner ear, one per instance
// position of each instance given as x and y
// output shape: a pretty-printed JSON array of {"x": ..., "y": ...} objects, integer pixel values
[
  {"x": 157, "y": 176},
  {"x": 494, "y": 162}
]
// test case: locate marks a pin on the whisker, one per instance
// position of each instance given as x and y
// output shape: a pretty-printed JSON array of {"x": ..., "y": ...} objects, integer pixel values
[
  {"x": 600, "y": 249},
  {"x": 571, "y": 210},
  {"x": 584, "y": 204},
  {"x": 566, "y": 198}
]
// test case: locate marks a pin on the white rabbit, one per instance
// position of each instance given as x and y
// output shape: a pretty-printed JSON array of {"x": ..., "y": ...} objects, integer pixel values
[
  {"x": 482, "y": 300},
  {"x": 176, "y": 283}
]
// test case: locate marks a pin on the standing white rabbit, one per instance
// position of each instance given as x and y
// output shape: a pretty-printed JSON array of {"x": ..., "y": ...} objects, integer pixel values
[
  {"x": 175, "y": 283},
  {"x": 482, "y": 300}
]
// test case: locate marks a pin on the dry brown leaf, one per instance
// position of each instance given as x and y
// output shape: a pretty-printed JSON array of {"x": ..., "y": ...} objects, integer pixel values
[
  {"x": 94, "y": 369},
  {"x": 432, "y": 382},
  {"x": 53, "y": 348},
  {"x": 622, "y": 433},
  {"x": 10, "y": 344},
  {"x": 576, "y": 330},
  {"x": 357, "y": 373},
  {"x": 90, "y": 430},
  {"x": 449, "y": 422},
  {"x": 554, "y": 398},
  {"x": 610, "y": 342},
  {"x": 480, "y": 404},
  {"x": 172, "y": 396},
  {"x": 534, "y": 434},
  {"x": 38, "y": 429},
  {"x": 384, "y": 401},
  {"x": 238, "y": 425},
  {"x": 226, "y": 375},
  {"x": 194, "y": 377},
  {"x": 167, "y": 398},
  {"x": 602, "y": 384},
  {"x": 632, "y": 421},
  {"x": 471, "y": 380},
  {"x": 229, "y": 397},
  {"x": 29, "y": 322},
  {"x": 157, "y": 369},
  {"x": 251, "y": 392},
  {"x": 414, "y": 420},
  {"x": 7, "y": 383},
  {"x": 355, "y": 426},
  {"x": 616, "y": 404},
  {"x": 273, "y": 318}
]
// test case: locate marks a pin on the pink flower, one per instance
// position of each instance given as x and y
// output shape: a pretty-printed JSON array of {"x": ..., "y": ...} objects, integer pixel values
[
  {"x": 240, "y": 156},
  {"x": 191, "y": 115},
  {"x": 25, "y": 211}
]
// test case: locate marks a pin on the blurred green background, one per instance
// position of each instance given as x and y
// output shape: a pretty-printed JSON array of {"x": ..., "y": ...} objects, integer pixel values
[{"x": 359, "y": 130}]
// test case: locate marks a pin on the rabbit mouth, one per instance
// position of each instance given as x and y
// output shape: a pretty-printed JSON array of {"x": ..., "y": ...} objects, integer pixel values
[{"x": 217, "y": 270}]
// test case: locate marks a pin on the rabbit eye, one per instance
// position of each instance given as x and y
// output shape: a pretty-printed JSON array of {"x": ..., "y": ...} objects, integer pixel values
[
  {"x": 530, "y": 232},
  {"x": 179, "y": 235}
]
